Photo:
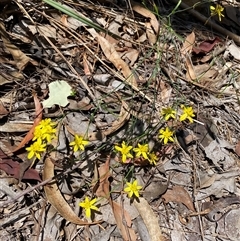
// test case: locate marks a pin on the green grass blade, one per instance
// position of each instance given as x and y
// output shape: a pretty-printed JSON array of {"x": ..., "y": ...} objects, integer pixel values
[{"x": 82, "y": 19}]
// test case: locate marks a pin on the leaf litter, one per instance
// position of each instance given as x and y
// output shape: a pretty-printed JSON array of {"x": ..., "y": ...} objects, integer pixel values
[{"x": 115, "y": 78}]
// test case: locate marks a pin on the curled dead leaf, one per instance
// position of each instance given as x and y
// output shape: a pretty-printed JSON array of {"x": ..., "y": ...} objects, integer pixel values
[
  {"x": 55, "y": 197},
  {"x": 150, "y": 219},
  {"x": 190, "y": 75},
  {"x": 113, "y": 56},
  {"x": 13, "y": 168},
  {"x": 3, "y": 111},
  {"x": 179, "y": 194},
  {"x": 139, "y": 8},
  {"x": 188, "y": 44},
  {"x": 185, "y": 51},
  {"x": 14, "y": 126},
  {"x": 206, "y": 46},
  {"x": 21, "y": 60},
  {"x": 53, "y": 193},
  {"x": 123, "y": 221},
  {"x": 122, "y": 217},
  {"x": 103, "y": 182}
]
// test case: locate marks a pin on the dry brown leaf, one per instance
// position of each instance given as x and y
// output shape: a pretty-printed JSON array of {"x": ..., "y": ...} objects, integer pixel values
[
  {"x": 206, "y": 46},
  {"x": 150, "y": 219},
  {"x": 123, "y": 219},
  {"x": 206, "y": 180},
  {"x": 113, "y": 56},
  {"x": 103, "y": 180},
  {"x": 15, "y": 127},
  {"x": 63, "y": 20},
  {"x": 185, "y": 51},
  {"x": 188, "y": 44},
  {"x": 132, "y": 55},
  {"x": 190, "y": 75},
  {"x": 3, "y": 111},
  {"x": 55, "y": 197},
  {"x": 204, "y": 72},
  {"x": 86, "y": 65},
  {"x": 45, "y": 30},
  {"x": 29, "y": 136},
  {"x": 10, "y": 76},
  {"x": 14, "y": 168},
  {"x": 53, "y": 192},
  {"x": 83, "y": 104},
  {"x": 179, "y": 194},
  {"x": 165, "y": 93},
  {"x": 139, "y": 8},
  {"x": 150, "y": 34},
  {"x": 21, "y": 60}
]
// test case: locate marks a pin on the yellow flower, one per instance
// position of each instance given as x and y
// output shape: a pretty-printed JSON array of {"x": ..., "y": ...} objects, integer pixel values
[
  {"x": 168, "y": 113},
  {"x": 132, "y": 188},
  {"x": 142, "y": 150},
  {"x": 36, "y": 149},
  {"x": 217, "y": 11},
  {"x": 152, "y": 158},
  {"x": 125, "y": 151},
  {"x": 166, "y": 135},
  {"x": 45, "y": 130},
  {"x": 46, "y": 122},
  {"x": 88, "y": 205},
  {"x": 79, "y": 143},
  {"x": 187, "y": 114},
  {"x": 44, "y": 133}
]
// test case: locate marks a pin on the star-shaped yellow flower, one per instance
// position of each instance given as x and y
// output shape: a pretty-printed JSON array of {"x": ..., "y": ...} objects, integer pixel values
[
  {"x": 168, "y": 113},
  {"x": 88, "y": 205},
  {"x": 132, "y": 188},
  {"x": 124, "y": 150},
  {"x": 36, "y": 149},
  {"x": 187, "y": 114},
  {"x": 217, "y": 11},
  {"x": 166, "y": 135},
  {"x": 44, "y": 133},
  {"x": 47, "y": 122},
  {"x": 79, "y": 143},
  {"x": 141, "y": 150},
  {"x": 152, "y": 158}
]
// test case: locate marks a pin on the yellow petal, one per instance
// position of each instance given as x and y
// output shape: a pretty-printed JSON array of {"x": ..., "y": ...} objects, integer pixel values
[
  {"x": 30, "y": 154},
  {"x": 212, "y": 8},
  {"x": 88, "y": 212},
  {"x": 118, "y": 148}
]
